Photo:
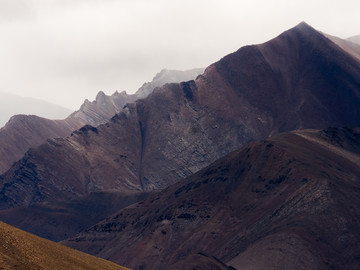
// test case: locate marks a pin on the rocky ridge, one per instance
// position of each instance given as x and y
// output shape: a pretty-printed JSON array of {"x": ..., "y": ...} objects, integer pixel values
[
  {"x": 307, "y": 81},
  {"x": 23, "y": 132}
]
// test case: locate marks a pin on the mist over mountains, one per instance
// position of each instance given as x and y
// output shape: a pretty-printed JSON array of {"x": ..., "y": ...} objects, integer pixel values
[
  {"x": 252, "y": 164},
  {"x": 355, "y": 39},
  {"x": 12, "y": 104}
]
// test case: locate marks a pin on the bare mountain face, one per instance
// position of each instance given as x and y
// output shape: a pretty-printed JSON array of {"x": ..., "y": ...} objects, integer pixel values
[
  {"x": 298, "y": 80},
  {"x": 21, "y": 250},
  {"x": 23, "y": 132},
  {"x": 104, "y": 107},
  {"x": 288, "y": 202}
]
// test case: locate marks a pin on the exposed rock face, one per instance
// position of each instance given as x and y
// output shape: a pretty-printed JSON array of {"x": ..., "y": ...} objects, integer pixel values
[
  {"x": 25, "y": 132},
  {"x": 297, "y": 80},
  {"x": 103, "y": 108},
  {"x": 21, "y": 250},
  {"x": 288, "y": 202}
]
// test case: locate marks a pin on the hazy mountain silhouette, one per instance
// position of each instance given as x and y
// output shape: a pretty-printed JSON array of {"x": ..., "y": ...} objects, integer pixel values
[
  {"x": 355, "y": 39},
  {"x": 12, "y": 104},
  {"x": 351, "y": 47},
  {"x": 288, "y": 202},
  {"x": 104, "y": 107}
]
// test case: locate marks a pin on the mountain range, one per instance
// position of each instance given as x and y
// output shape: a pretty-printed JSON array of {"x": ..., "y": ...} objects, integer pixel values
[
  {"x": 252, "y": 165},
  {"x": 181, "y": 128},
  {"x": 23, "y": 132}
]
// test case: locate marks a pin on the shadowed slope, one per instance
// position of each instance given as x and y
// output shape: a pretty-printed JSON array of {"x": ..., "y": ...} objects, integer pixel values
[
  {"x": 21, "y": 250},
  {"x": 298, "y": 80},
  {"x": 289, "y": 202},
  {"x": 60, "y": 220}
]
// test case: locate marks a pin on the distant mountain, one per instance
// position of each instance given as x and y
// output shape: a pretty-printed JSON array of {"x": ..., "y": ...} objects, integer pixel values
[
  {"x": 355, "y": 39},
  {"x": 12, "y": 104},
  {"x": 307, "y": 81},
  {"x": 168, "y": 76},
  {"x": 21, "y": 250},
  {"x": 347, "y": 45},
  {"x": 288, "y": 202},
  {"x": 23, "y": 132},
  {"x": 104, "y": 107}
]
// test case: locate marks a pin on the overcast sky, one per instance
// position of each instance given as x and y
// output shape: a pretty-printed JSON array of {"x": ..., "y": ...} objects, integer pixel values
[{"x": 65, "y": 51}]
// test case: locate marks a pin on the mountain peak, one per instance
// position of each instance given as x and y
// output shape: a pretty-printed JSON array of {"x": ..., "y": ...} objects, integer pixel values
[{"x": 100, "y": 96}]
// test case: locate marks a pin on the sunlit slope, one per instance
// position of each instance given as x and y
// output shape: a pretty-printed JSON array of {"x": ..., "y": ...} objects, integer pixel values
[{"x": 21, "y": 250}]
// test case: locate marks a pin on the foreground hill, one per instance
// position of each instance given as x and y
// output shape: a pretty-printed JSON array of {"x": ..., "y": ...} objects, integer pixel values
[
  {"x": 300, "y": 79},
  {"x": 288, "y": 202},
  {"x": 21, "y": 250}
]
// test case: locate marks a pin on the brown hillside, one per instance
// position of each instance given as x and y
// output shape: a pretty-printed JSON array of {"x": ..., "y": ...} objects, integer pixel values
[
  {"x": 288, "y": 202},
  {"x": 21, "y": 250}
]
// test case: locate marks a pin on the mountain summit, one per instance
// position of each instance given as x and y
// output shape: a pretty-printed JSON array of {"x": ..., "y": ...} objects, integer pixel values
[{"x": 300, "y": 79}]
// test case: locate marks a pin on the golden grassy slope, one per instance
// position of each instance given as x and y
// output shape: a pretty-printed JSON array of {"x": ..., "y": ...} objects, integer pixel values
[{"x": 22, "y": 250}]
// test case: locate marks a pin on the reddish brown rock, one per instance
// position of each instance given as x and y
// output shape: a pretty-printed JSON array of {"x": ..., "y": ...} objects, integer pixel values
[
  {"x": 288, "y": 202},
  {"x": 298, "y": 80}
]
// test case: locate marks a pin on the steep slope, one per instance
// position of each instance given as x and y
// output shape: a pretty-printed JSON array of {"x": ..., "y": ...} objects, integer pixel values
[
  {"x": 104, "y": 107},
  {"x": 21, "y": 250},
  {"x": 288, "y": 202},
  {"x": 298, "y": 80},
  {"x": 22, "y": 132},
  {"x": 27, "y": 131},
  {"x": 12, "y": 104}
]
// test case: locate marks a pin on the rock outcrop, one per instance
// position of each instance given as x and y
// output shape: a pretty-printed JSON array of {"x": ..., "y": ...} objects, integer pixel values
[{"x": 23, "y": 132}]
